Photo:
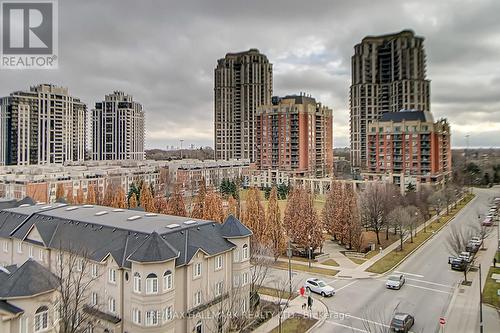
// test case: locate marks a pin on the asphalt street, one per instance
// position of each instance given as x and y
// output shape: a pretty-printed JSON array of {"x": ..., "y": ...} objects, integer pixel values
[{"x": 365, "y": 305}]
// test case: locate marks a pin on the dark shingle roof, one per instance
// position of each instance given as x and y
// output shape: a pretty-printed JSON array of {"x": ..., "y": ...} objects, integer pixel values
[
  {"x": 408, "y": 115},
  {"x": 124, "y": 234},
  {"x": 101, "y": 315},
  {"x": 28, "y": 280},
  {"x": 154, "y": 249},
  {"x": 233, "y": 228},
  {"x": 6, "y": 306}
]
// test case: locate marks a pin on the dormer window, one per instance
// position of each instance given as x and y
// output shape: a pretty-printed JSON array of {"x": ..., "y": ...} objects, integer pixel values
[{"x": 167, "y": 280}]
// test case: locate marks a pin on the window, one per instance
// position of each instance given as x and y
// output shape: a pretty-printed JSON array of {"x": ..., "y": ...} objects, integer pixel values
[
  {"x": 219, "y": 262},
  {"x": 111, "y": 305},
  {"x": 236, "y": 255},
  {"x": 19, "y": 247},
  {"x": 94, "y": 299},
  {"x": 94, "y": 270},
  {"x": 30, "y": 251},
  {"x": 198, "y": 328},
  {"x": 112, "y": 275},
  {"x": 41, "y": 319},
  {"x": 245, "y": 278},
  {"x": 167, "y": 280},
  {"x": 219, "y": 288},
  {"x": 151, "y": 284},
  {"x": 197, "y": 298},
  {"x": 79, "y": 265},
  {"x": 168, "y": 313},
  {"x": 243, "y": 305},
  {"x": 245, "y": 252},
  {"x": 23, "y": 325},
  {"x": 136, "y": 316},
  {"x": 40, "y": 255},
  {"x": 152, "y": 318},
  {"x": 197, "y": 270},
  {"x": 137, "y": 282},
  {"x": 5, "y": 246},
  {"x": 236, "y": 280}
]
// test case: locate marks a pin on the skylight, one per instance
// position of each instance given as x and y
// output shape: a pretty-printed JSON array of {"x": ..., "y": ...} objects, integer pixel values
[
  {"x": 72, "y": 208},
  {"x": 101, "y": 213},
  {"x": 190, "y": 222},
  {"x": 174, "y": 225},
  {"x": 133, "y": 218},
  {"x": 151, "y": 214}
]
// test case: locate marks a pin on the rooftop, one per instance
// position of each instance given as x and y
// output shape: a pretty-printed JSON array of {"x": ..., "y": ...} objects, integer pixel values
[{"x": 408, "y": 115}]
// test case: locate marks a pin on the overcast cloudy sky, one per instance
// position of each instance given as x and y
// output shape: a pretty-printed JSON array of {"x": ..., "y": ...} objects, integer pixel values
[{"x": 164, "y": 54}]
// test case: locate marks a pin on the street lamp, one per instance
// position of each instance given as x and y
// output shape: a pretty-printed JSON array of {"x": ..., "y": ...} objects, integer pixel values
[
  {"x": 310, "y": 249},
  {"x": 289, "y": 254},
  {"x": 480, "y": 302}
]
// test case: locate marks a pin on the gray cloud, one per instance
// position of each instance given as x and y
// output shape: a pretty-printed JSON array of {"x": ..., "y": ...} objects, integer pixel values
[{"x": 164, "y": 54}]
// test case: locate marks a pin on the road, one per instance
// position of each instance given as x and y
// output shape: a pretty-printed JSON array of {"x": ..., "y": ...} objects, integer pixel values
[{"x": 365, "y": 305}]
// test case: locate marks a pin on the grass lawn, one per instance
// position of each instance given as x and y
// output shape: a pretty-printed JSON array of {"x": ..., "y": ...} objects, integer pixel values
[
  {"x": 395, "y": 256},
  {"x": 274, "y": 293},
  {"x": 305, "y": 268},
  {"x": 357, "y": 261},
  {"x": 490, "y": 289},
  {"x": 298, "y": 259},
  {"x": 296, "y": 324},
  {"x": 330, "y": 262}
]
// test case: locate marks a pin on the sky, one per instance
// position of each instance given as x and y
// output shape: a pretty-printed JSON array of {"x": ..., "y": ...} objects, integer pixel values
[{"x": 164, "y": 54}]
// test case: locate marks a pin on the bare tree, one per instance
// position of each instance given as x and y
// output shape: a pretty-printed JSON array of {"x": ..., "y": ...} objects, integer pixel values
[
  {"x": 282, "y": 297},
  {"x": 261, "y": 258},
  {"x": 373, "y": 208},
  {"x": 483, "y": 232},
  {"x": 457, "y": 241},
  {"x": 400, "y": 219},
  {"x": 437, "y": 200},
  {"x": 77, "y": 277}
]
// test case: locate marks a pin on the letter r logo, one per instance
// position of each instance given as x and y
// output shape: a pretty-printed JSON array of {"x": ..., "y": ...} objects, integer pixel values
[{"x": 27, "y": 27}]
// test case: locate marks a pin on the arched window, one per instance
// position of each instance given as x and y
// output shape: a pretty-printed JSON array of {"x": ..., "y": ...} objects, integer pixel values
[
  {"x": 168, "y": 280},
  {"x": 245, "y": 252},
  {"x": 137, "y": 282},
  {"x": 151, "y": 284},
  {"x": 41, "y": 319}
]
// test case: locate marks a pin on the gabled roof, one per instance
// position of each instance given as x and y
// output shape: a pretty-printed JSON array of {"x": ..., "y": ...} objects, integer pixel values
[
  {"x": 233, "y": 228},
  {"x": 154, "y": 249},
  {"x": 28, "y": 280}
]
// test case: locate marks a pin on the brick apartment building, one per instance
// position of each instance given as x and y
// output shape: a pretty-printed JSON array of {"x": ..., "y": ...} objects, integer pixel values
[
  {"x": 408, "y": 147},
  {"x": 295, "y": 135}
]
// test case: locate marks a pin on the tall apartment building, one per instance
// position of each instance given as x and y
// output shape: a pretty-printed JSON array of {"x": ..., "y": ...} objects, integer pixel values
[
  {"x": 145, "y": 272},
  {"x": 44, "y": 125},
  {"x": 118, "y": 128},
  {"x": 388, "y": 75},
  {"x": 243, "y": 82},
  {"x": 409, "y": 147},
  {"x": 295, "y": 134}
]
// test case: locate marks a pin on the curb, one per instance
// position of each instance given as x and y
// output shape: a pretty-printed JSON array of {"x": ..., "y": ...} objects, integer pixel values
[
  {"x": 421, "y": 244},
  {"x": 322, "y": 320}
]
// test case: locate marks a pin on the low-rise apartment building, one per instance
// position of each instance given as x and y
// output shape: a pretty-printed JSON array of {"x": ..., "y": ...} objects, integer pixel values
[
  {"x": 146, "y": 272},
  {"x": 409, "y": 147},
  {"x": 40, "y": 182}
]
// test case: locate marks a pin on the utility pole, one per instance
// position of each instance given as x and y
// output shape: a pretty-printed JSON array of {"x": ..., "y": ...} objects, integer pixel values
[{"x": 480, "y": 302}]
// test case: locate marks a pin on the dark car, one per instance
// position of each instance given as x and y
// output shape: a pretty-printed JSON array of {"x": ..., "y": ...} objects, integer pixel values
[
  {"x": 402, "y": 322},
  {"x": 458, "y": 264}
]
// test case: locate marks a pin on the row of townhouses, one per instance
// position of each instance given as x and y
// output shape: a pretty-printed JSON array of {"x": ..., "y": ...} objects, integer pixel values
[{"x": 145, "y": 272}]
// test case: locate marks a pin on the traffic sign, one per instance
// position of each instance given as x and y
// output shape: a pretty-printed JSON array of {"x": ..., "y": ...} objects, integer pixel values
[{"x": 442, "y": 320}]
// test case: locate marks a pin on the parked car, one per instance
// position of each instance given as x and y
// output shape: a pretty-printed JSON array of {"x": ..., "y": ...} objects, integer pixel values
[
  {"x": 487, "y": 222},
  {"x": 458, "y": 264},
  {"x": 320, "y": 287},
  {"x": 467, "y": 256},
  {"x": 402, "y": 322},
  {"x": 478, "y": 240},
  {"x": 395, "y": 281},
  {"x": 472, "y": 247}
]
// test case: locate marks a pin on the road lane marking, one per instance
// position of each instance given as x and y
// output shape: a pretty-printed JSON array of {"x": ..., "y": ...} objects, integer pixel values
[
  {"x": 363, "y": 320},
  {"x": 431, "y": 289},
  {"x": 347, "y": 326},
  {"x": 428, "y": 282},
  {"x": 347, "y": 285},
  {"x": 405, "y": 273}
]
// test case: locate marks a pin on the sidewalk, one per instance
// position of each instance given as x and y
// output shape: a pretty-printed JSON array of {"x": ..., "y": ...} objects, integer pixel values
[
  {"x": 463, "y": 312},
  {"x": 319, "y": 311},
  {"x": 360, "y": 271}
]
